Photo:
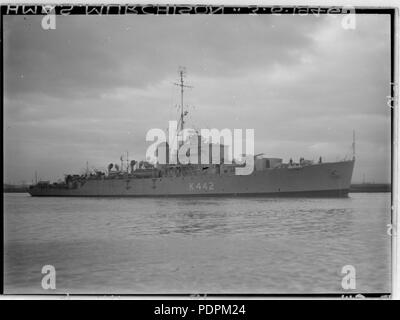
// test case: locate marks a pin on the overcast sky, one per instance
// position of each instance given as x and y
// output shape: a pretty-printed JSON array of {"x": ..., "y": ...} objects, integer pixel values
[{"x": 91, "y": 89}]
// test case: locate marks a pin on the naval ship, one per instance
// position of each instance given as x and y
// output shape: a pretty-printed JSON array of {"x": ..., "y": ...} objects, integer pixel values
[{"x": 270, "y": 177}]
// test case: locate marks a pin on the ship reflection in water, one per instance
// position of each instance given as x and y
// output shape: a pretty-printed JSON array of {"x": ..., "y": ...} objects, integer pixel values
[{"x": 197, "y": 245}]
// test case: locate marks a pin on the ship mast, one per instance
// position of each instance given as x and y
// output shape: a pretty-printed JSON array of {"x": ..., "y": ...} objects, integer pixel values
[
  {"x": 182, "y": 72},
  {"x": 354, "y": 145}
]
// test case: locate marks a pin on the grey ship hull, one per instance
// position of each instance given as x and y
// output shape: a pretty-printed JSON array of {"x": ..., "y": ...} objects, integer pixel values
[{"x": 325, "y": 179}]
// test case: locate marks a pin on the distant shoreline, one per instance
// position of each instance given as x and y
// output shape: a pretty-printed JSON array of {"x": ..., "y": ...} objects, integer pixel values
[
  {"x": 370, "y": 187},
  {"x": 354, "y": 188},
  {"x": 15, "y": 188}
]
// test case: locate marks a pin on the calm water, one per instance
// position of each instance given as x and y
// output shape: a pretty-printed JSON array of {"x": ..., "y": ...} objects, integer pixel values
[{"x": 197, "y": 245}]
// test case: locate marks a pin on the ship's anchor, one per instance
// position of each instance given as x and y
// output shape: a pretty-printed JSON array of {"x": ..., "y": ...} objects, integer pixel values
[{"x": 334, "y": 174}]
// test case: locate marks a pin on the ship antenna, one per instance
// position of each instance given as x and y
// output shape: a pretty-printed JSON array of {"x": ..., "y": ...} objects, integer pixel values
[{"x": 354, "y": 145}]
